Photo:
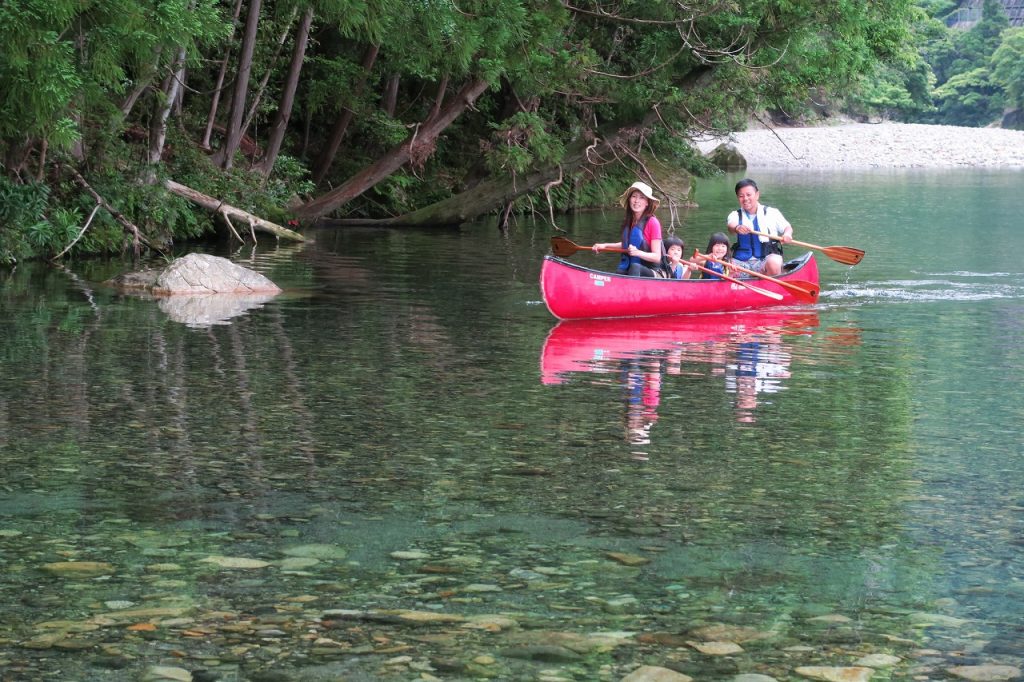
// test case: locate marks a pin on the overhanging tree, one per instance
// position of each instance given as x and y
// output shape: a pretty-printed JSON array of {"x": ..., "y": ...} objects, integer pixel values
[{"x": 606, "y": 76}]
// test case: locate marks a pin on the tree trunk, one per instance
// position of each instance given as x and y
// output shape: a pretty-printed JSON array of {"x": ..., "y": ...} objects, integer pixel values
[
  {"x": 225, "y": 155},
  {"x": 390, "y": 100},
  {"x": 495, "y": 193},
  {"x": 228, "y": 211},
  {"x": 143, "y": 80},
  {"x": 258, "y": 97},
  {"x": 162, "y": 110},
  {"x": 323, "y": 164},
  {"x": 215, "y": 104},
  {"x": 412, "y": 149},
  {"x": 284, "y": 110}
]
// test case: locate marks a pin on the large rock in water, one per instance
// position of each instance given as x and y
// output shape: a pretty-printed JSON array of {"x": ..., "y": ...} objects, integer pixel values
[
  {"x": 201, "y": 290},
  {"x": 199, "y": 273}
]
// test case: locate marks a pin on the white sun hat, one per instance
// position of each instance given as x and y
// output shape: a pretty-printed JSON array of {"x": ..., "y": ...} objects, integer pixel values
[{"x": 644, "y": 189}]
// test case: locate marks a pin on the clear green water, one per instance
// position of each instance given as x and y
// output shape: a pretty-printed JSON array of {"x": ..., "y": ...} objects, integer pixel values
[{"x": 814, "y": 486}]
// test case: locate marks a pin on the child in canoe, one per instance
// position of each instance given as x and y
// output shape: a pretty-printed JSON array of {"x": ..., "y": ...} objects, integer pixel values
[
  {"x": 677, "y": 268},
  {"x": 718, "y": 248}
]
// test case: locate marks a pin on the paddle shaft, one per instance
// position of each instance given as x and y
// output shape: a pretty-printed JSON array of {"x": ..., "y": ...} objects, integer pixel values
[
  {"x": 564, "y": 248},
  {"x": 803, "y": 289},
  {"x": 764, "y": 292},
  {"x": 846, "y": 255}
]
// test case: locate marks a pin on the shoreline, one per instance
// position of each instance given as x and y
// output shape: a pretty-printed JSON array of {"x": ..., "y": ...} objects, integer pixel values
[{"x": 863, "y": 146}]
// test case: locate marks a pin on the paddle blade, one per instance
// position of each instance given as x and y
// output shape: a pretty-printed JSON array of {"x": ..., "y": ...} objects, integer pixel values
[
  {"x": 803, "y": 290},
  {"x": 846, "y": 255},
  {"x": 563, "y": 248}
]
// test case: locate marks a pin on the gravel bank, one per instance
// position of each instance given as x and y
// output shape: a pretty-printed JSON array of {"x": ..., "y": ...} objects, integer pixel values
[{"x": 882, "y": 145}]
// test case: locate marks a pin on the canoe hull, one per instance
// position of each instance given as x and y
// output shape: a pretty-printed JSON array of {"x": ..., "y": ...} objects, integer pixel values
[{"x": 575, "y": 292}]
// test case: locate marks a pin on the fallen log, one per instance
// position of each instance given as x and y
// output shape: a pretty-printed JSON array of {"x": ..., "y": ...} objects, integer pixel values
[{"x": 219, "y": 207}]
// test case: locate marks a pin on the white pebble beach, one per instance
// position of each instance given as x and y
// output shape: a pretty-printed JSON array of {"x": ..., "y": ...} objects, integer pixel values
[{"x": 855, "y": 146}]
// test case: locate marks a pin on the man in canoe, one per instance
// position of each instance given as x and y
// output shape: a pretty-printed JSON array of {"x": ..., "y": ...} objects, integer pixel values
[
  {"x": 641, "y": 232},
  {"x": 758, "y": 253}
]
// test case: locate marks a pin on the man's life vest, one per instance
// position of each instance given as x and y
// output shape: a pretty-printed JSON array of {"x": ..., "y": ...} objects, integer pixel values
[{"x": 749, "y": 246}]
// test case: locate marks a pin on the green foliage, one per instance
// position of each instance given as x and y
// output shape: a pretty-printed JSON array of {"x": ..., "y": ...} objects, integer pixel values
[
  {"x": 969, "y": 98},
  {"x": 22, "y": 218},
  {"x": 38, "y": 77},
  {"x": 62, "y": 58},
  {"x": 899, "y": 93},
  {"x": 520, "y": 142},
  {"x": 562, "y": 75},
  {"x": 967, "y": 91},
  {"x": 1008, "y": 67}
]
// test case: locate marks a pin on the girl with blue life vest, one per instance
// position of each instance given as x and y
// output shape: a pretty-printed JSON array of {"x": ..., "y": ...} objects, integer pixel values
[
  {"x": 754, "y": 252},
  {"x": 718, "y": 248},
  {"x": 641, "y": 233}
]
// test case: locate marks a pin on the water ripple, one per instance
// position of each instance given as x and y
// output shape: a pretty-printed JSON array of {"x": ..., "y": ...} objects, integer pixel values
[{"x": 918, "y": 290}]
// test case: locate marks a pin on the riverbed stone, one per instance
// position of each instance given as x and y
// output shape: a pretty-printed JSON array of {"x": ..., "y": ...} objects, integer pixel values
[
  {"x": 80, "y": 569},
  {"x": 986, "y": 673},
  {"x": 878, "y": 660},
  {"x": 722, "y": 632},
  {"x": 653, "y": 673},
  {"x": 244, "y": 563},
  {"x": 157, "y": 673},
  {"x": 717, "y": 648},
  {"x": 316, "y": 551},
  {"x": 835, "y": 673}
]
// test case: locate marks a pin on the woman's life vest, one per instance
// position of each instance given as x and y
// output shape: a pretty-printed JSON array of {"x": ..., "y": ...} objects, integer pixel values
[{"x": 634, "y": 236}]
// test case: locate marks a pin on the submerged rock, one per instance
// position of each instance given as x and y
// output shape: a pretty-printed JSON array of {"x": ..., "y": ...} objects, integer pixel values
[
  {"x": 653, "y": 673},
  {"x": 79, "y": 568},
  {"x": 986, "y": 673}
]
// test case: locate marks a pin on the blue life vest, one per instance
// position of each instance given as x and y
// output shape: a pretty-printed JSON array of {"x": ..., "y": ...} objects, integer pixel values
[
  {"x": 634, "y": 236},
  {"x": 717, "y": 267},
  {"x": 748, "y": 246}
]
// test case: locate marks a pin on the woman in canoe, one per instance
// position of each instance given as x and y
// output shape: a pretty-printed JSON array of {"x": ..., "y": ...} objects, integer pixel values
[{"x": 641, "y": 232}]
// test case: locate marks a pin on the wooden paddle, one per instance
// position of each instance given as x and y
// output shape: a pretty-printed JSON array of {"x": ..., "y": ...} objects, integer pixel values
[
  {"x": 847, "y": 255},
  {"x": 563, "y": 248},
  {"x": 804, "y": 290},
  {"x": 764, "y": 292}
]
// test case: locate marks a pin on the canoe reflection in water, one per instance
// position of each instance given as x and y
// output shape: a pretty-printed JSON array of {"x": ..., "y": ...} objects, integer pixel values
[{"x": 745, "y": 349}]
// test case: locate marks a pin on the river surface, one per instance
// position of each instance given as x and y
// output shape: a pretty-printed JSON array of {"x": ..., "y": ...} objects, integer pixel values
[{"x": 404, "y": 468}]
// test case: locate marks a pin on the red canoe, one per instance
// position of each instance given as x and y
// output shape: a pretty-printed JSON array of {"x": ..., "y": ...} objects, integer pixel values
[{"x": 575, "y": 292}]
